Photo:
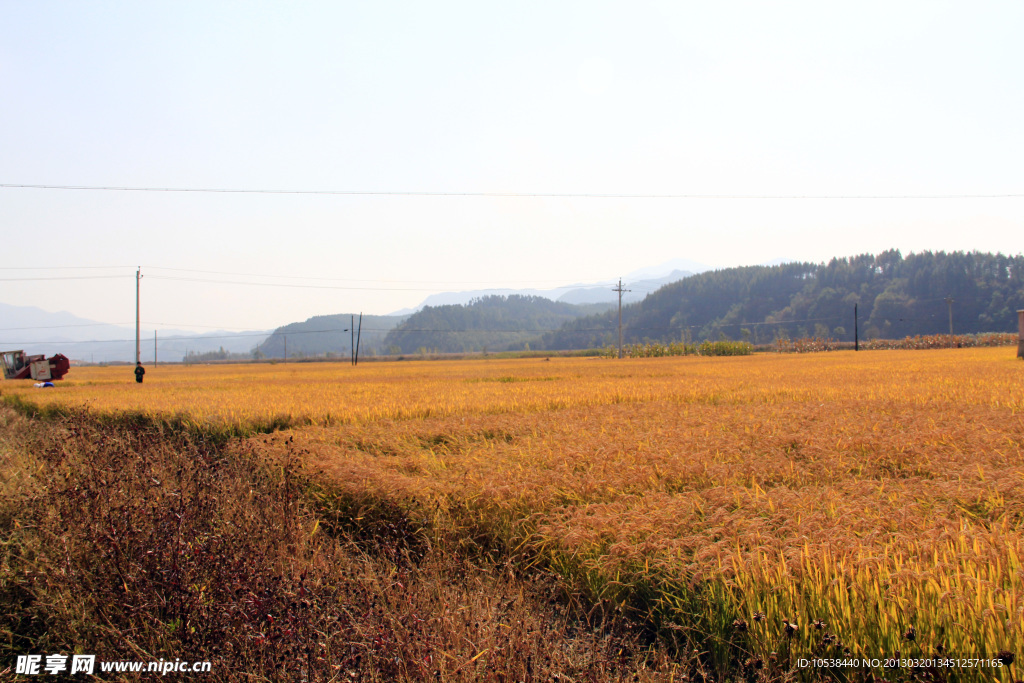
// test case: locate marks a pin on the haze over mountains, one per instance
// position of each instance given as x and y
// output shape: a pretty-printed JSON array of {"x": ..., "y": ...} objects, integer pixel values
[
  {"x": 37, "y": 331},
  {"x": 895, "y": 296},
  {"x": 640, "y": 283}
]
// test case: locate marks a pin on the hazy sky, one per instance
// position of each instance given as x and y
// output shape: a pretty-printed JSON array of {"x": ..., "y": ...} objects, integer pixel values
[{"x": 659, "y": 98}]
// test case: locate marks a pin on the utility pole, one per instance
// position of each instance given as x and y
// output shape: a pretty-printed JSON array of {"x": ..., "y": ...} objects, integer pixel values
[
  {"x": 949, "y": 302},
  {"x": 620, "y": 290},
  {"x": 352, "y": 336},
  {"x": 285, "y": 346},
  {"x": 138, "y": 277},
  {"x": 359, "y": 335},
  {"x": 154, "y": 347},
  {"x": 856, "y": 330}
]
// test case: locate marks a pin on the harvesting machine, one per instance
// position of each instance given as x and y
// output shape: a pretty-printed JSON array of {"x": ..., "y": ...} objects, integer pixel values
[{"x": 19, "y": 366}]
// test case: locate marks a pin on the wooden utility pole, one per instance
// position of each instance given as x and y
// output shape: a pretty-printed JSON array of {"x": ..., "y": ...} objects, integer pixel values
[
  {"x": 285, "y": 346},
  {"x": 856, "y": 330},
  {"x": 1020, "y": 334},
  {"x": 620, "y": 290},
  {"x": 138, "y": 277},
  {"x": 154, "y": 347},
  {"x": 359, "y": 335},
  {"x": 352, "y": 338}
]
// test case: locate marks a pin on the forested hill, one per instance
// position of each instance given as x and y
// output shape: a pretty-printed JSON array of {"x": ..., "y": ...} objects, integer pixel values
[
  {"x": 490, "y": 323},
  {"x": 896, "y": 296}
]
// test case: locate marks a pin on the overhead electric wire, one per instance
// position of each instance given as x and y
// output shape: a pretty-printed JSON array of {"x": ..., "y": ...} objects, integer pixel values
[
  {"x": 132, "y": 340},
  {"x": 312, "y": 286},
  {"x": 211, "y": 327},
  {"x": 64, "y": 277},
  {"x": 54, "y": 327},
  {"x": 490, "y": 284},
  {"x": 332, "y": 279},
  {"x": 259, "y": 284},
  {"x": 508, "y": 195},
  {"x": 282, "y": 284},
  {"x": 100, "y": 324},
  {"x": 63, "y": 267}
]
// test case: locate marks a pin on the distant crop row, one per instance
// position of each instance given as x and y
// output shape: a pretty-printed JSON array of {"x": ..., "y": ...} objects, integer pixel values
[
  {"x": 705, "y": 348},
  {"x": 934, "y": 341}
]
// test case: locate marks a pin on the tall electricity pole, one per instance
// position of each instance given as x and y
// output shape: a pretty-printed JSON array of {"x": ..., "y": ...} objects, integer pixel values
[
  {"x": 620, "y": 290},
  {"x": 359, "y": 335},
  {"x": 138, "y": 277},
  {"x": 856, "y": 330}
]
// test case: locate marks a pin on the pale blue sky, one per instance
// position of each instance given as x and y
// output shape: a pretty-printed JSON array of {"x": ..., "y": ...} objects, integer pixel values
[{"x": 622, "y": 98}]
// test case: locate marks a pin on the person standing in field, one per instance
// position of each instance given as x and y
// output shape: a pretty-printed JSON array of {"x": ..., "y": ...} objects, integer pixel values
[{"x": 139, "y": 371}]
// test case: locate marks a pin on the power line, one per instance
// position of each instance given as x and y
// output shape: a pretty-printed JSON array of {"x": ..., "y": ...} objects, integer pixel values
[
  {"x": 513, "y": 195},
  {"x": 295, "y": 286},
  {"x": 284, "y": 277},
  {"x": 290, "y": 277},
  {"x": 331, "y": 279},
  {"x": 253, "y": 284},
  {"x": 63, "y": 267},
  {"x": 100, "y": 324},
  {"x": 54, "y": 327},
  {"x": 127, "y": 341},
  {"x": 62, "y": 277},
  {"x": 312, "y": 286}
]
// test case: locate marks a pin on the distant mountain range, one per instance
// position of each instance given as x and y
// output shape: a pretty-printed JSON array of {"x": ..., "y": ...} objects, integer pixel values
[
  {"x": 495, "y": 319},
  {"x": 640, "y": 283},
  {"x": 896, "y": 297},
  {"x": 37, "y": 331}
]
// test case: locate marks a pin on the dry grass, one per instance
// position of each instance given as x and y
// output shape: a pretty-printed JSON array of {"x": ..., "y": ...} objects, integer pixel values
[{"x": 136, "y": 544}]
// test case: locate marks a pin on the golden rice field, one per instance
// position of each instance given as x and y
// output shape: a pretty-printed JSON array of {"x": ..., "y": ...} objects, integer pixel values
[
  {"x": 334, "y": 393},
  {"x": 877, "y": 492}
]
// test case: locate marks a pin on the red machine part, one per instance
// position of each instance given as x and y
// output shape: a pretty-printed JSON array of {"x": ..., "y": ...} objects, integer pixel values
[{"x": 59, "y": 366}]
